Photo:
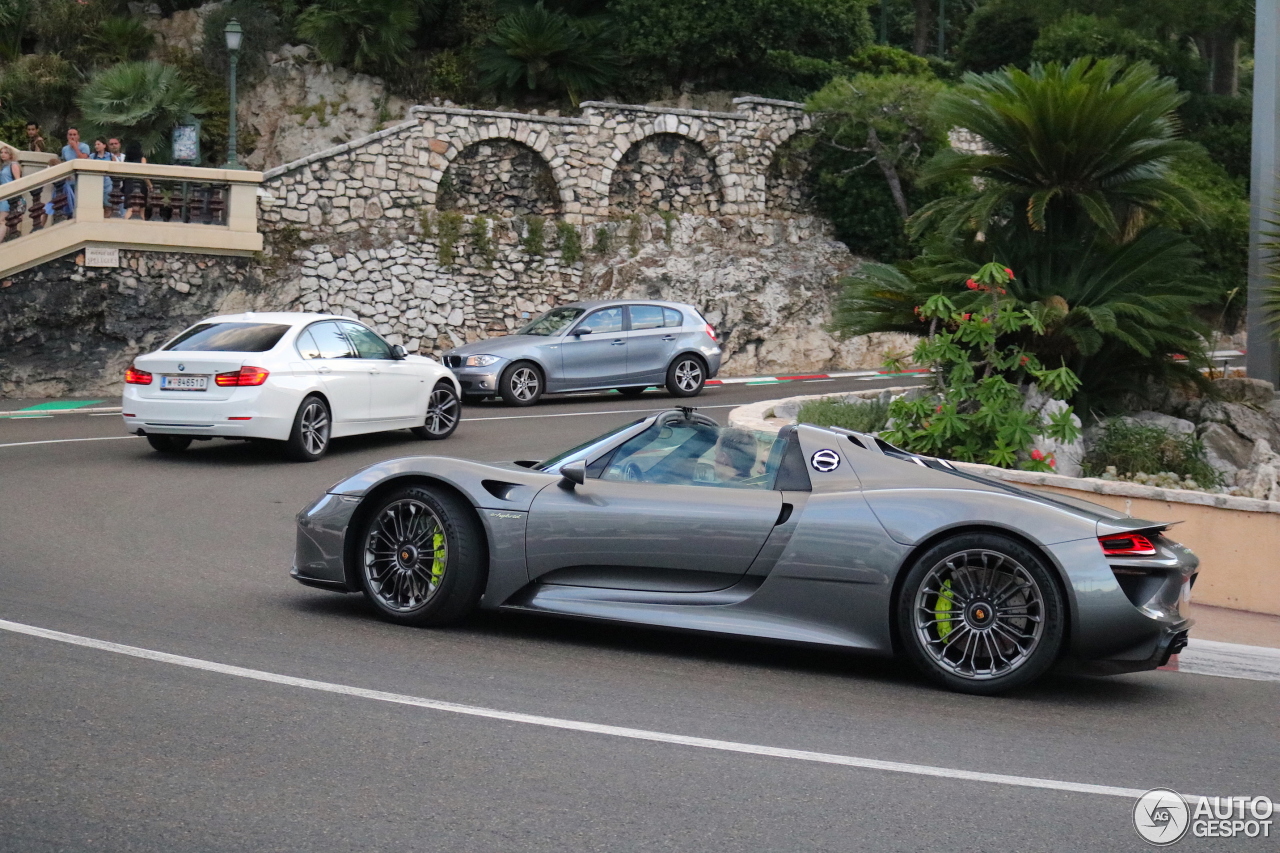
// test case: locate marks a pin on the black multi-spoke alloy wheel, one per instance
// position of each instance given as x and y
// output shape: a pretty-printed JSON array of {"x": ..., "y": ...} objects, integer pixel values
[
  {"x": 633, "y": 391},
  {"x": 312, "y": 426},
  {"x": 444, "y": 411},
  {"x": 169, "y": 443},
  {"x": 521, "y": 384},
  {"x": 686, "y": 376},
  {"x": 981, "y": 613},
  {"x": 421, "y": 557}
]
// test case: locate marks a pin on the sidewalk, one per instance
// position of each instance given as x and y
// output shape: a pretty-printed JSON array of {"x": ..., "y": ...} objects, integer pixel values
[{"x": 1231, "y": 644}]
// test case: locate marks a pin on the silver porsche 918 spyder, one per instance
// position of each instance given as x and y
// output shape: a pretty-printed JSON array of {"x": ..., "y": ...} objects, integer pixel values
[{"x": 815, "y": 535}]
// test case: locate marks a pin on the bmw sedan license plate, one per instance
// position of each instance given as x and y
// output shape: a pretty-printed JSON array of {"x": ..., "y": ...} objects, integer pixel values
[{"x": 183, "y": 383}]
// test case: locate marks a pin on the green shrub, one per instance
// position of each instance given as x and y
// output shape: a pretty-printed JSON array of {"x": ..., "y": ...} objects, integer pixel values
[
  {"x": 974, "y": 412},
  {"x": 997, "y": 34},
  {"x": 538, "y": 49},
  {"x": 448, "y": 227},
  {"x": 535, "y": 235},
  {"x": 481, "y": 242},
  {"x": 1223, "y": 124},
  {"x": 570, "y": 243},
  {"x": 122, "y": 38},
  {"x": 365, "y": 35},
  {"x": 865, "y": 416},
  {"x": 1132, "y": 448},
  {"x": 603, "y": 240},
  {"x": 883, "y": 59}
]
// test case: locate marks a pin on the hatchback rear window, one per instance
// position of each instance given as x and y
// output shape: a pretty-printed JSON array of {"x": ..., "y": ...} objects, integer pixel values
[{"x": 229, "y": 337}]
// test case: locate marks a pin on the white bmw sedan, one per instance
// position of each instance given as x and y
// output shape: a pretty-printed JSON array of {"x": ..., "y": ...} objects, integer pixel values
[{"x": 302, "y": 379}]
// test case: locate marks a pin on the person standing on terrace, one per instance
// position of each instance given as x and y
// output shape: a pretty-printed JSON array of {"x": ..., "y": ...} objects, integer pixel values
[
  {"x": 10, "y": 170},
  {"x": 100, "y": 152},
  {"x": 35, "y": 142},
  {"x": 74, "y": 149}
]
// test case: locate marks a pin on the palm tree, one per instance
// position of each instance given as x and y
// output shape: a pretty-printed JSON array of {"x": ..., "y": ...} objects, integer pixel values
[
  {"x": 367, "y": 35},
  {"x": 546, "y": 50},
  {"x": 1082, "y": 146},
  {"x": 142, "y": 100}
]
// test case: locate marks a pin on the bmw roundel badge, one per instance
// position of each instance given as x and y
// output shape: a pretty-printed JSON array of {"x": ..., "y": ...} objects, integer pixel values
[
  {"x": 182, "y": 367},
  {"x": 825, "y": 461}
]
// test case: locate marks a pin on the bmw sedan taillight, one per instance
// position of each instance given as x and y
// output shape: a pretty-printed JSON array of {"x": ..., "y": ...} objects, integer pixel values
[
  {"x": 245, "y": 376},
  {"x": 134, "y": 376}
]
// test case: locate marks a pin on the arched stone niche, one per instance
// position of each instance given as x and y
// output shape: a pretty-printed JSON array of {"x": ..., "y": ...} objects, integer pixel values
[
  {"x": 499, "y": 177},
  {"x": 667, "y": 172},
  {"x": 786, "y": 179}
]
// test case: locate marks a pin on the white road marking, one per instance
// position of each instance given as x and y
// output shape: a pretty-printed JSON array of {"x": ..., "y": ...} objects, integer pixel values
[
  {"x": 65, "y": 440},
  {"x": 572, "y": 725},
  {"x": 587, "y": 414}
]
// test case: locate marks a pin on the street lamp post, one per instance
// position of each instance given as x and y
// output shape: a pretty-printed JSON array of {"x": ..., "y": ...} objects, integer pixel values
[{"x": 234, "y": 36}]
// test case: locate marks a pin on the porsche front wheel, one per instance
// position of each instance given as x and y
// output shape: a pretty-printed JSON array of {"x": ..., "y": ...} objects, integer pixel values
[
  {"x": 421, "y": 557},
  {"x": 981, "y": 613}
]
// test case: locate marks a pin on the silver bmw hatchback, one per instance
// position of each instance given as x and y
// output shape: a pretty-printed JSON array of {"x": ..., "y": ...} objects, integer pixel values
[{"x": 627, "y": 344}]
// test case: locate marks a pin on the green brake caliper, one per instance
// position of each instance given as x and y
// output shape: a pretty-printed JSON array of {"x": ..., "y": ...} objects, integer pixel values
[
  {"x": 437, "y": 564},
  {"x": 942, "y": 608}
]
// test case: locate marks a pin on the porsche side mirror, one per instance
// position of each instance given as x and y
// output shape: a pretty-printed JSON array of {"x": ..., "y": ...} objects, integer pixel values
[
  {"x": 398, "y": 352},
  {"x": 574, "y": 473}
]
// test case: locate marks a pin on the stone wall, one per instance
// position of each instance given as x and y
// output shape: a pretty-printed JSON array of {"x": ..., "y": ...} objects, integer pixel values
[
  {"x": 665, "y": 172},
  {"x": 68, "y": 329}
]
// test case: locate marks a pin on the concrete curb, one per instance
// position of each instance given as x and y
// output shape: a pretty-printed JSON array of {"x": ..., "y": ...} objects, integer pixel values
[
  {"x": 23, "y": 413},
  {"x": 1228, "y": 660}
]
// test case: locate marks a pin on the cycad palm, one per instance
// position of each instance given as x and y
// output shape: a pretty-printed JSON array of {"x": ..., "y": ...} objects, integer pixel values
[
  {"x": 1067, "y": 148},
  {"x": 539, "y": 49},
  {"x": 367, "y": 34},
  {"x": 142, "y": 100}
]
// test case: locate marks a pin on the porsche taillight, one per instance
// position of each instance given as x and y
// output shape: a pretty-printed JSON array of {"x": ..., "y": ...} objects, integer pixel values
[{"x": 1127, "y": 545}]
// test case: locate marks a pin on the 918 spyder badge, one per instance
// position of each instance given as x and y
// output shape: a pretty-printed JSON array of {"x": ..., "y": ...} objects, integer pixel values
[{"x": 825, "y": 461}]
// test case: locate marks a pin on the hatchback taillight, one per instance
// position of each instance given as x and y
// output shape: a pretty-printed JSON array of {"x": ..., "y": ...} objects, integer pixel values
[
  {"x": 134, "y": 376},
  {"x": 245, "y": 376},
  {"x": 711, "y": 332},
  {"x": 1127, "y": 545}
]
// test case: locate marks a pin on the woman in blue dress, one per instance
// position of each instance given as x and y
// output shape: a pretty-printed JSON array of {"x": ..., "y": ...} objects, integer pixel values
[{"x": 100, "y": 152}]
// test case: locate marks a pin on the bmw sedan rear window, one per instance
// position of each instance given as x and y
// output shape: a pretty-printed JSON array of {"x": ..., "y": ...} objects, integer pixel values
[{"x": 230, "y": 337}]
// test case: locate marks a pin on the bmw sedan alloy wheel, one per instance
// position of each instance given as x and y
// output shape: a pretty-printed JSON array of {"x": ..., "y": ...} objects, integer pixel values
[
  {"x": 979, "y": 614},
  {"x": 309, "y": 439},
  {"x": 443, "y": 413},
  {"x": 405, "y": 556}
]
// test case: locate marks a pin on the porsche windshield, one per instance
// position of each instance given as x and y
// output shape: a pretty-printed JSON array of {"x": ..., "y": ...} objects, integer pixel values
[
  {"x": 569, "y": 454},
  {"x": 553, "y": 322}
]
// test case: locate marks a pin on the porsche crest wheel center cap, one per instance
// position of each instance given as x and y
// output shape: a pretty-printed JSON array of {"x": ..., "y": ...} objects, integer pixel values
[
  {"x": 980, "y": 614},
  {"x": 407, "y": 555}
]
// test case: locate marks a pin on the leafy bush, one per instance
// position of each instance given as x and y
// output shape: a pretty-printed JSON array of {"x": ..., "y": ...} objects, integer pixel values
[
  {"x": 143, "y": 100},
  {"x": 1128, "y": 448},
  {"x": 726, "y": 42},
  {"x": 262, "y": 32},
  {"x": 975, "y": 410},
  {"x": 883, "y": 59},
  {"x": 15, "y": 17},
  {"x": 997, "y": 34},
  {"x": 535, "y": 49},
  {"x": 535, "y": 235},
  {"x": 39, "y": 86},
  {"x": 448, "y": 227},
  {"x": 1224, "y": 126},
  {"x": 865, "y": 416},
  {"x": 570, "y": 242}
]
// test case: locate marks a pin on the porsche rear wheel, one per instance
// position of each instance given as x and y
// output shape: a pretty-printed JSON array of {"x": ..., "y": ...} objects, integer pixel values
[
  {"x": 421, "y": 557},
  {"x": 981, "y": 613}
]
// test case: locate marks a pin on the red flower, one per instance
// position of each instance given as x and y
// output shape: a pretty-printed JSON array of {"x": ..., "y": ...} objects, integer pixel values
[
  {"x": 966, "y": 316},
  {"x": 971, "y": 284},
  {"x": 1003, "y": 291},
  {"x": 1023, "y": 361},
  {"x": 1008, "y": 272},
  {"x": 1052, "y": 462},
  {"x": 937, "y": 410},
  {"x": 1037, "y": 454}
]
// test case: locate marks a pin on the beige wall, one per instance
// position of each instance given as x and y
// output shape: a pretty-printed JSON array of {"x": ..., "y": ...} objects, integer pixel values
[{"x": 1239, "y": 551}]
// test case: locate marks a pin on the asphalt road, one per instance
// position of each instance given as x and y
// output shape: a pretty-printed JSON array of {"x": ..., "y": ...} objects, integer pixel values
[{"x": 103, "y": 751}]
